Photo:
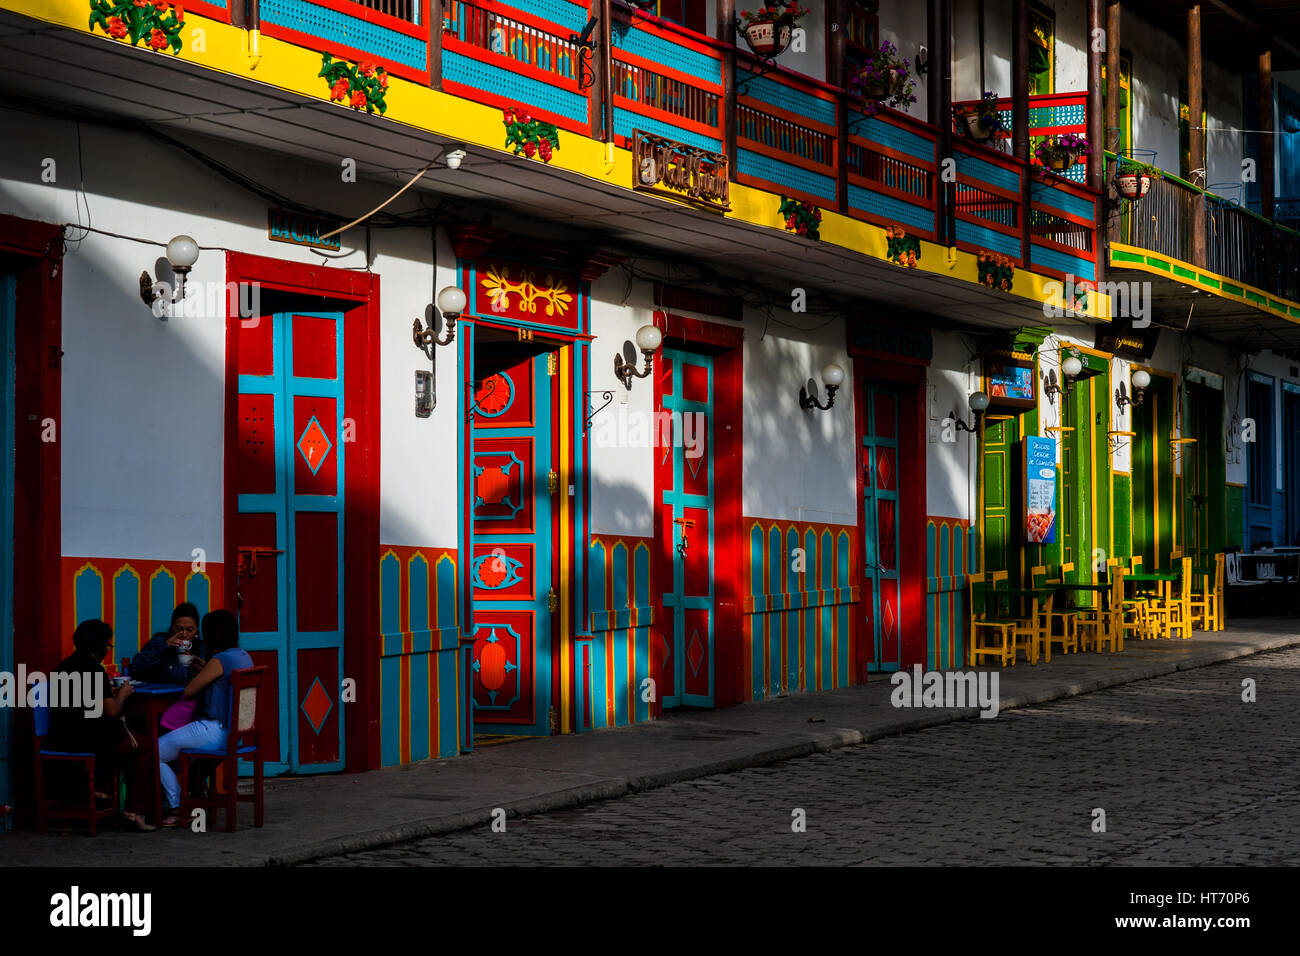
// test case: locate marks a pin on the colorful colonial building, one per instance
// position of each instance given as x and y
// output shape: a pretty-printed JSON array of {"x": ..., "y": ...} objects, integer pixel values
[{"x": 595, "y": 483}]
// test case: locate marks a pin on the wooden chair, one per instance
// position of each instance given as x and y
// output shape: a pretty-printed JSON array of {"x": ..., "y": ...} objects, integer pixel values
[
  {"x": 48, "y": 809},
  {"x": 981, "y": 624},
  {"x": 1178, "y": 603},
  {"x": 1104, "y": 622},
  {"x": 1207, "y": 600},
  {"x": 1066, "y": 617},
  {"x": 242, "y": 741},
  {"x": 1033, "y": 634}
]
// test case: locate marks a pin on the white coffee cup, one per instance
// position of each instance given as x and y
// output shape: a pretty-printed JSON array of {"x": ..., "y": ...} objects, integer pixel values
[{"x": 185, "y": 659}]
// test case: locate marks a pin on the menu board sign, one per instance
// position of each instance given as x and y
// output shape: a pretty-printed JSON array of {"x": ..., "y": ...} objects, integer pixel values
[
  {"x": 1040, "y": 490},
  {"x": 1009, "y": 381}
]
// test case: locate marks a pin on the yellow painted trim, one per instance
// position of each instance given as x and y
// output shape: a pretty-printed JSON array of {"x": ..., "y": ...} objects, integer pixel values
[
  {"x": 1233, "y": 297},
  {"x": 294, "y": 69}
]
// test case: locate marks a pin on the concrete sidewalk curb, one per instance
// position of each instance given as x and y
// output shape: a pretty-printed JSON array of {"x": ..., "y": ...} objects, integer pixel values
[{"x": 612, "y": 787}]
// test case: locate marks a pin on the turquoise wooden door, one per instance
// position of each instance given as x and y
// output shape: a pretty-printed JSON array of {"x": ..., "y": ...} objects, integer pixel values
[
  {"x": 684, "y": 467},
  {"x": 8, "y": 291},
  {"x": 511, "y": 571},
  {"x": 289, "y": 473},
  {"x": 880, "y": 560}
]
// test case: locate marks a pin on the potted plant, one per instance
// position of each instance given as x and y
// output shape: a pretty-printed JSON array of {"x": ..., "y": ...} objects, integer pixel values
[
  {"x": 1133, "y": 179},
  {"x": 1059, "y": 153},
  {"x": 768, "y": 29},
  {"x": 801, "y": 217},
  {"x": 902, "y": 249},
  {"x": 884, "y": 79},
  {"x": 982, "y": 121},
  {"x": 995, "y": 270}
]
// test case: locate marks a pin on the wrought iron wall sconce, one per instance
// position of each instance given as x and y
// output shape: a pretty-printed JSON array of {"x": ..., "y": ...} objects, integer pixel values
[
  {"x": 451, "y": 303},
  {"x": 648, "y": 340},
  {"x": 1178, "y": 444},
  {"x": 585, "y": 47},
  {"x": 833, "y": 376},
  {"x": 979, "y": 403},
  {"x": 1141, "y": 379},
  {"x": 182, "y": 253},
  {"x": 1070, "y": 369}
]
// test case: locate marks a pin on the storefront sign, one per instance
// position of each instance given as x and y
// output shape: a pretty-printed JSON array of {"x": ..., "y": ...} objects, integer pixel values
[
  {"x": 286, "y": 226},
  {"x": 1040, "y": 490},
  {"x": 1009, "y": 381},
  {"x": 684, "y": 172},
  {"x": 1122, "y": 340}
]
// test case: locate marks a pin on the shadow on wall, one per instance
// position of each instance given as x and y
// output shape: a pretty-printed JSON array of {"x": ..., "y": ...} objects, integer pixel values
[
  {"x": 620, "y": 508},
  {"x": 798, "y": 464}
]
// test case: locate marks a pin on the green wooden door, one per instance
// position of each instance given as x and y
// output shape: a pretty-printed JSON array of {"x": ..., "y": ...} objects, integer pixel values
[{"x": 1001, "y": 521}]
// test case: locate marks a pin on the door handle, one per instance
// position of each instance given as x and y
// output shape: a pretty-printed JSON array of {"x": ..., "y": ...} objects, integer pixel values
[
  {"x": 552, "y": 601},
  {"x": 247, "y": 562},
  {"x": 552, "y": 481}
]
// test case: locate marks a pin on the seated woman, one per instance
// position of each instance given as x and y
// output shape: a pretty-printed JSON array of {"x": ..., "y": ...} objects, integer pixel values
[
  {"x": 159, "y": 660},
  {"x": 105, "y": 736},
  {"x": 221, "y": 635}
]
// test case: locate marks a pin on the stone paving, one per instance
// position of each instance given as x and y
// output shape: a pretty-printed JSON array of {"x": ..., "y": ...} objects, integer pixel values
[
  {"x": 316, "y": 816},
  {"x": 1186, "y": 772}
]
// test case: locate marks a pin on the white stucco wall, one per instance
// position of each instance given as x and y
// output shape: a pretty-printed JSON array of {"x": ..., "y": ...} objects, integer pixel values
[
  {"x": 142, "y": 427},
  {"x": 950, "y": 466}
]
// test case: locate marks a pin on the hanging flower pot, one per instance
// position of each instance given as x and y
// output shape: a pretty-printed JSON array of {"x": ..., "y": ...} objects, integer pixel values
[
  {"x": 881, "y": 85},
  {"x": 767, "y": 38},
  {"x": 769, "y": 30},
  {"x": 981, "y": 121},
  {"x": 883, "y": 80},
  {"x": 976, "y": 128},
  {"x": 1133, "y": 185},
  {"x": 1061, "y": 152}
]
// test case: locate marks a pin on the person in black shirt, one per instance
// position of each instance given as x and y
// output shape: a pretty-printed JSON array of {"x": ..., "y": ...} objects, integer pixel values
[
  {"x": 159, "y": 660},
  {"x": 105, "y": 736}
]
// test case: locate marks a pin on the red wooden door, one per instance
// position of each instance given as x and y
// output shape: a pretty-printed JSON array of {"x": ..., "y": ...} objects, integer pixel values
[
  {"x": 684, "y": 483},
  {"x": 511, "y": 572},
  {"x": 289, "y": 476}
]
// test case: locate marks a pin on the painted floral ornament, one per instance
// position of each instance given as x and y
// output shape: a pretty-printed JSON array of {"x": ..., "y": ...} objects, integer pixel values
[
  {"x": 155, "y": 22},
  {"x": 361, "y": 86},
  {"x": 996, "y": 270},
  {"x": 903, "y": 250},
  {"x": 801, "y": 217},
  {"x": 528, "y": 136}
]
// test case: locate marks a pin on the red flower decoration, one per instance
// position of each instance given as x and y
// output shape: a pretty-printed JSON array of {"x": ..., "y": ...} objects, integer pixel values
[
  {"x": 525, "y": 118},
  {"x": 339, "y": 90},
  {"x": 158, "y": 40},
  {"x": 509, "y": 114},
  {"x": 383, "y": 81},
  {"x": 367, "y": 69},
  {"x": 180, "y": 12},
  {"x": 116, "y": 28},
  {"x": 529, "y": 149},
  {"x": 358, "y": 99},
  {"x": 161, "y": 5},
  {"x": 544, "y": 150},
  {"x": 142, "y": 3}
]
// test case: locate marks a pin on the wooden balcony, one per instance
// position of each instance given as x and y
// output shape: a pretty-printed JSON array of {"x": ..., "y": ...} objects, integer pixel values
[
  {"x": 790, "y": 135},
  {"x": 1239, "y": 244}
]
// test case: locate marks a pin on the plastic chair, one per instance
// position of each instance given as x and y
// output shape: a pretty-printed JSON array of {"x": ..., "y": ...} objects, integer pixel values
[
  {"x": 980, "y": 624},
  {"x": 242, "y": 741},
  {"x": 47, "y": 809}
]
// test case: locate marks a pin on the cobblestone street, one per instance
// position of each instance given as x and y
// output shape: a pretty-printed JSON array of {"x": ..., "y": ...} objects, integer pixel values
[{"x": 1186, "y": 772}]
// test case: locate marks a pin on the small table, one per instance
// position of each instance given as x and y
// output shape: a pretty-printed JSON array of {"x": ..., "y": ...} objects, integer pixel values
[
  {"x": 149, "y": 702},
  {"x": 1018, "y": 593}
]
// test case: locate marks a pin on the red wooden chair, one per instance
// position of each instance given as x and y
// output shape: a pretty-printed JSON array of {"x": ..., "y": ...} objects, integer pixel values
[
  {"x": 242, "y": 741},
  {"x": 47, "y": 809}
]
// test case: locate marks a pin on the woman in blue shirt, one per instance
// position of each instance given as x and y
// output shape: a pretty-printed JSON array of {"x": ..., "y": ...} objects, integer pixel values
[{"x": 209, "y": 732}]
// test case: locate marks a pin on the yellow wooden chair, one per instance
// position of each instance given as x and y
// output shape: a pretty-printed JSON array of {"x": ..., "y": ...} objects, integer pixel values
[
  {"x": 1033, "y": 634},
  {"x": 1178, "y": 602},
  {"x": 999, "y": 631},
  {"x": 1104, "y": 624},
  {"x": 1206, "y": 601},
  {"x": 1062, "y": 618}
]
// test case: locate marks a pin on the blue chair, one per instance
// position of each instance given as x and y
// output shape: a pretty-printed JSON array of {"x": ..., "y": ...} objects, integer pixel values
[{"x": 47, "y": 809}]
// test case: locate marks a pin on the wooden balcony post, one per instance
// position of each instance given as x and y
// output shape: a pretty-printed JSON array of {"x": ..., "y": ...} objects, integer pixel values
[
  {"x": 435, "y": 44},
  {"x": 1266, "y": 173},
  {"x": 939, "y": 106},
  {"x": 605, "y": 70},
  {"x": 837, "y": 25},
  {"x": 1114, "y": 223},
  {"x": 1020, "y": 113},
  {"x": 1266, "y": 187},
  {"x": 601, "y": 64},
  {"x": 1096, "y": 125},
  {"x": 1197, "y": 135},
  {"x": 727, "y": 36}
]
